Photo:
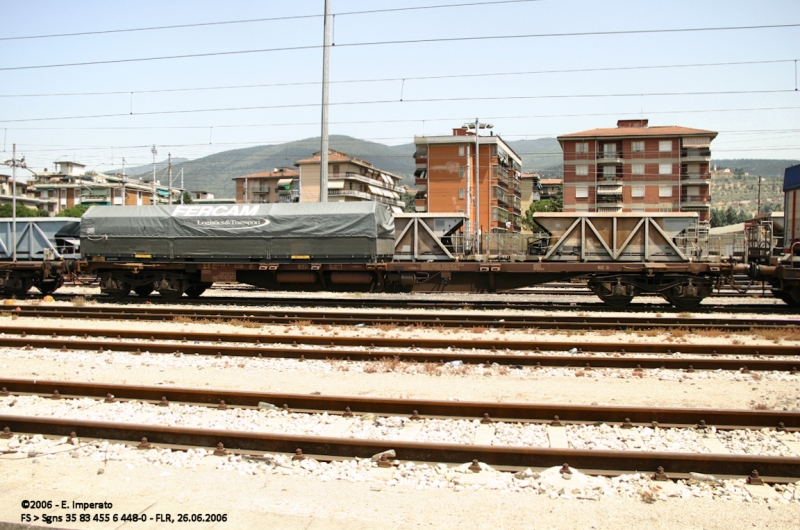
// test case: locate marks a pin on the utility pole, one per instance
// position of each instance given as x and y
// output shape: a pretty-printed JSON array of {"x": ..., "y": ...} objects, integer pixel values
[
  {"x": 169, "y": 176},
  {"x": 183, "y": 190},
  {"x": 759, "y": 195},
  {"x": 323, "y": 155},
  {"x": 123, "y": 182},
  {"x": 155, "y": 194},
  {"x": 14, "y": 203},
  {"x": 477, "y": 185}
]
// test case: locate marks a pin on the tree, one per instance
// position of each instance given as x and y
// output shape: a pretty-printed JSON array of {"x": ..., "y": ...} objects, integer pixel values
[
  {"x": 546, "y": 205},
  {"x": 22, "y": 211},
  {"x": 408, "y": 199},
  {"x": 73, "y": 211},
  {"x": 187, "y": 198}
]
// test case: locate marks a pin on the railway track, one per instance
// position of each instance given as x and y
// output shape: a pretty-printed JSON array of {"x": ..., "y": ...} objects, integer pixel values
[
  {"x": 515, "y": 354},
  {"x": 260, "y": 300},
  {"x": 439, "y": 319},
  {"x": 328, "y": 446}
]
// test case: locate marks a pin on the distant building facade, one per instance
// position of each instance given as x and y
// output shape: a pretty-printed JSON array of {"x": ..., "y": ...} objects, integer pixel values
[
  {"x": 447, "y": 180},
  {"x": 638, "y": 168},
  {"x": 70, "y": 185},
  {"x": 349, "y": 179},
  {"x": 279, "y": 185}
]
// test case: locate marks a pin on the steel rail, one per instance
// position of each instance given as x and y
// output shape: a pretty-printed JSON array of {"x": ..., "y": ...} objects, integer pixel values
[
  {"x": 718, "y": 464},
  {"x": 535, "y": 360},
  {"x": 439, "y": 303},
  {"x": 528, "y": 412},
  {"x": 18, "y": 336},
  {"x": 439, "y": 319}
]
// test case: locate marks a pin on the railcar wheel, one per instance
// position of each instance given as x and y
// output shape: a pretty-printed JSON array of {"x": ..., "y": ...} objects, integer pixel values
[
  {"x": 170, "y": 294},
  {"x": 19, "y": 287},
  {"x": 615, "y": 301},
  {"x": 119, "y": 292},
  {"x": 196, "y": 289},
  {"x": 143, "y": 290},
  {"x": 49, "y": 286},
  {"x": 684, "y": 302}
]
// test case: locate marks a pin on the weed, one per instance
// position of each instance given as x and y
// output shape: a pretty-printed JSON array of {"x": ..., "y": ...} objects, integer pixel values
[
  {"x": 580, "y": 373},
  {"x": 479, "y": 329},
  {"x": 651, "y": 333},
  {"x": 659, "y": 315},
  {"x": 761, "y": 406},
  {"x": 177, "y": 318},
  {"x": 432, "y": 368},
  {"x": 302, "y": 323},
  {"x": 386, "y": 326},
  {"x": 756, "y": 377},
  {"x": 678, "y": 333},
  {"x": 712, "y": 333},
  {"x": 243, "y": 323},
  {"x": 684, "y": 314},
  {"x": 5, "y": 314},
  {"x": 79, "y": 301}
]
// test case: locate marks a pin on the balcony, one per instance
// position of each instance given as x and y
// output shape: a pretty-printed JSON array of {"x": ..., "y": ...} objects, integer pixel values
[
  {"x": 609, "y": 157},
  {"x": 365, "y": 196},
  {"x": 358, "y": 177},
  {"x": 703, "y": 179},
  {"x": 606, "y": 189},
  {"x": 702, "y": 154},
  {"x": 696, "y": 200}
]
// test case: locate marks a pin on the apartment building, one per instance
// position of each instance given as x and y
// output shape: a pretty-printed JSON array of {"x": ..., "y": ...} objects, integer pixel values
[
  {"x": 279, "y": 185},
  {"x": 8, "y": 191},
  {"x": 349, "y": 179},
  {"x": 450, "y": 178},
  {"x": 531, "y": 187},
  {"x": 636, "y": 167},
  {"x": 70, "y": 185}
]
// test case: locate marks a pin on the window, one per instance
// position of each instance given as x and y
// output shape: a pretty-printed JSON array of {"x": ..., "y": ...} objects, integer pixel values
[
  {"x": 460, "y": 193},
  {"x": 637, "y": 147},
  {"x": 665, "y": 190},
  {"x": 664, "y": 146},
  {"x": 582, "y": 170},
  {"x": 665, "y": 169},
  {"x": 610, "y": 171},
  {"x": 582, "y": 147},
  {"x": 664, "y": 207},
  {"x": 610, "y": 150},
  {"x": 637, "y": 210},
  {"x": 336, "y": 169},
  {"x": 461, "y": 172},
  {"x": 637, "y": 169},
  {"x": 581, "y": 192},
  {"x": 637, "y": 191}
]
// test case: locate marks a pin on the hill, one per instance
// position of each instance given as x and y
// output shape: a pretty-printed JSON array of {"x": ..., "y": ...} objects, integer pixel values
[
  {"x": 756, "y": 166},
  {"x": 146, "y": 169},
  {"x": 215, "y": 172}
]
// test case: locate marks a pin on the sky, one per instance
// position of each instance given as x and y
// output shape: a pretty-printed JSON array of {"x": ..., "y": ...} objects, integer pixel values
[{"x": 531, "y": 68}]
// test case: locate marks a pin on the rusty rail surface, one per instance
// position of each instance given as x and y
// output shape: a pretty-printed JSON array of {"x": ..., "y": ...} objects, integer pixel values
[
  {"x": 772, "y": 469},
  {"x": 438, "y": 319},
  {"x": 536, "y": 359},
  {"x": 527, "y": 412},
  {"x": 17, "y": 336}
]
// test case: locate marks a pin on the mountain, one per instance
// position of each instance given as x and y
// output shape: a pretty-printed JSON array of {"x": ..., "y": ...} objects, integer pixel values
[
  {"x": 542, "y": 156},
  {"x": 214, "y": 173},
  {"x": 146, "y": 169}
]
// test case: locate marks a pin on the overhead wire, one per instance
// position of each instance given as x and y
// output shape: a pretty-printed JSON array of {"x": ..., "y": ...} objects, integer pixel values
[
  {"x": 405, "y": 41},
  {"x": 405, "y": 101},
  {"x": 268, "y": 19}
]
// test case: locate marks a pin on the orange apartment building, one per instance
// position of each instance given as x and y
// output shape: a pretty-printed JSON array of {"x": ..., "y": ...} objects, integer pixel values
[
  {"x": 638, "y": 168},
  {"x": 446, "y": 180}
]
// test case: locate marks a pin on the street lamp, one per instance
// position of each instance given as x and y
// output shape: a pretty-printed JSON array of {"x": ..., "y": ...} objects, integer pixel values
[
  {"x": 124, "y": 181},
  {"x": 478, "y": 125},
  {"x": 14, "y": 163}
]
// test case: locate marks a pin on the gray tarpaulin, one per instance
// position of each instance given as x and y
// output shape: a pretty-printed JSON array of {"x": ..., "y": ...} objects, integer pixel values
[{"x": 231, "y": 230}]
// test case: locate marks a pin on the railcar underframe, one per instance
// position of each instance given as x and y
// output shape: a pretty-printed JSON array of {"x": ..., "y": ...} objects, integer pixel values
[{"x": 682, "y": 284}]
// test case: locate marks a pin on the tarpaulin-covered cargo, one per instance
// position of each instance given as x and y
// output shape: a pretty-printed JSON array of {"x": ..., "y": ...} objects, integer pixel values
[
  {"x": 232, "y": 232},
  {"x": 791, "y": 206}
]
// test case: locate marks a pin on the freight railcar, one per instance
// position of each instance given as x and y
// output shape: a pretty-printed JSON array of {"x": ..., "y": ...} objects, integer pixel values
[
  {"x": 782, "y": 269},
  {"x": 44, "y": 251},
  {"x": 178, "y": 250}
]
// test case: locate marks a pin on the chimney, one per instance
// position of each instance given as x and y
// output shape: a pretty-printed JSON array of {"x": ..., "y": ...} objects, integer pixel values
[
  {"x": 631, "y": 123},
  {"x": 460, "y": 131}
]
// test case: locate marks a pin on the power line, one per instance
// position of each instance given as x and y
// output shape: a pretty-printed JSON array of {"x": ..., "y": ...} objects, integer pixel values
[
  {"x": 395, "y": 79},
  {"x": 407, "y": 101},
  {"x": 270, "y": 19},
  {"x": 408, "y": 41}
]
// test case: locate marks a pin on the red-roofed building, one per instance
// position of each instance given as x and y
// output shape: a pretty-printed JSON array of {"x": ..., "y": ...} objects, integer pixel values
[{"x": 638, "y": 168}]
